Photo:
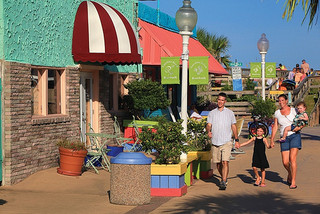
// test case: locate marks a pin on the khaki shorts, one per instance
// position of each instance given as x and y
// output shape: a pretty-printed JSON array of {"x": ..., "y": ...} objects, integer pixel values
[{"x": 221, "y": 153}]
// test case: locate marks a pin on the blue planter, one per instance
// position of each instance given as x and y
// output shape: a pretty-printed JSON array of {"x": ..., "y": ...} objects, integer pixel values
[{"x": 114, "y": 150}]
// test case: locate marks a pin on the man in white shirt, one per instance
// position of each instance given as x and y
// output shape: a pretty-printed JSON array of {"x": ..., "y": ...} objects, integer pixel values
[{"x": 221, "y": 123}]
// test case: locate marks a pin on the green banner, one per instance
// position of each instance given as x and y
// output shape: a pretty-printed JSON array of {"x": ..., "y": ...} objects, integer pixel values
[
  {"x": 198, "y": 70},
  {"x": 271, "y": 70},
  {"x": 170, "y": 73},
  {"x": 255, "y": 69}
]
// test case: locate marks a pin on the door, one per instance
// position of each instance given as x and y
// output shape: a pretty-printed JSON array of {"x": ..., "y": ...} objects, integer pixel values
[
  {"x": 1, "y": 159},
  {"x": 86, "y": 109}
]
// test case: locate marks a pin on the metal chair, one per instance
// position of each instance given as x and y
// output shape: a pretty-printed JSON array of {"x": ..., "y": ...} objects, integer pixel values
[
  {"x": 97, "y": 150},
  {"x": 121, "y": 141},
  {"x": 136, "y": 145}
]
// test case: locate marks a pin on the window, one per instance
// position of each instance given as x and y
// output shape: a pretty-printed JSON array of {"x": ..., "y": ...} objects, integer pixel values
[{"x": 48, "y": 91}]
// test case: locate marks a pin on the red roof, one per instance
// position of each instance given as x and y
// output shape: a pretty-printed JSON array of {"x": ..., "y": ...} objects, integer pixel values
[
  {"x": 103, "y": 34},
  {"x": 158, "y": 42}
]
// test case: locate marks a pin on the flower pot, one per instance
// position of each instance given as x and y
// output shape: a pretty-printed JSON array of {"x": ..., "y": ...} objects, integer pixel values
[
  {"x": 71, "y": 161},
  {"x": 114, "y": 150}
]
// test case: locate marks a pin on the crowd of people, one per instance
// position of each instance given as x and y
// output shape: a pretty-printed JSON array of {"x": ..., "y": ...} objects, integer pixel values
[{"x": 297, "y": 74}]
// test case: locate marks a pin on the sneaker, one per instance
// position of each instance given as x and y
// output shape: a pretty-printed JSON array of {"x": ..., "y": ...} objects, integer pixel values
[
  {"x": 224, "y": 182},
  {"x": 223, "y": 186}
]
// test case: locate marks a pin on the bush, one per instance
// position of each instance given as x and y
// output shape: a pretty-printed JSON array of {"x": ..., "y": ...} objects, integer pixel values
[
  {"x": 197, "y": 136},
  {"x": 145, "y": 95},
  {"x": 167, "y": 141},
  {"x": 263, "y": 108},
  {"x": 250, "y": 84}
]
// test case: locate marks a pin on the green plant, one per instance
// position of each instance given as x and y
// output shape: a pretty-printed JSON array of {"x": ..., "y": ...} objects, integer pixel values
[
  {"x": 145, "y": 95},
  {"x": 263, "y": 108},
  {"x": 167, "y": 141},
  {"x": 197, "y": 136},
  {"x": 69, "y": 144},
  {"x": 250, "y": 84}
]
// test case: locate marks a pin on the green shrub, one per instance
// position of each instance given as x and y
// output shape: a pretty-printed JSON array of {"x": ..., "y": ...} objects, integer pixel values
[
  {"x": 145, "y": 95},
  {"x": 167, "y": 141},
  {"x": 263, "y": 108},
  {"x": 250, "y": 84},
  {"x": 197, "y": 136}
]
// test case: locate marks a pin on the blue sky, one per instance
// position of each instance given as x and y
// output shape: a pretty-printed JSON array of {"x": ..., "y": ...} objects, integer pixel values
[{"x": 243, "y": 22}]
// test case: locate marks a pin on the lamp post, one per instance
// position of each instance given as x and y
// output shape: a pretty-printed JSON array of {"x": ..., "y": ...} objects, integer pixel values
[
  {"x": 186, "y": 19},
  {"x": 263, "y": 46}
]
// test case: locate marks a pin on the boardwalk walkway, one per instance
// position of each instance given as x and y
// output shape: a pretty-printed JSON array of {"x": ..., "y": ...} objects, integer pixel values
[{"x": 49, "y": 192}]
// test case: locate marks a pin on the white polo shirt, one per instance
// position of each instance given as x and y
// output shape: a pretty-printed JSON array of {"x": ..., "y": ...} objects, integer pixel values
[{"x": 221, "y": 122}]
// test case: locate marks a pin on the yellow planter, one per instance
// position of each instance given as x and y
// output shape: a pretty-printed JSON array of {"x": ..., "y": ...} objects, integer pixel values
[
  {"x": 168, "y": 169},
  {"x": 202, "y": 155}
]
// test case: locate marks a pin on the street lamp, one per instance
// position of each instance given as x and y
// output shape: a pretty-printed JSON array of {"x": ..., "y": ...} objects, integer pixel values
[
  {"x": 186, "y": 19},
  {"x": 263, "y": 46}
]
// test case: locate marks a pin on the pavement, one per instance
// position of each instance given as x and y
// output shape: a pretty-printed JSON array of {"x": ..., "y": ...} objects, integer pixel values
[{"x": 49, "y": 192}]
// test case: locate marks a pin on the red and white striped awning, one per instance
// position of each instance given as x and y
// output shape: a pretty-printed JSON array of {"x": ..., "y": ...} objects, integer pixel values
[{"x": 103, "y": 34}]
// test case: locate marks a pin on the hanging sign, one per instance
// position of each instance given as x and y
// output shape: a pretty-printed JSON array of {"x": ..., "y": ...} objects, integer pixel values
[
  {"x": 198, "y": 70},
  {"x": 271, "y": 70},
  {"x": 255, "y": 69},
  {"x": 170, "y": 70},
  {"x": 236, "y": 78}
]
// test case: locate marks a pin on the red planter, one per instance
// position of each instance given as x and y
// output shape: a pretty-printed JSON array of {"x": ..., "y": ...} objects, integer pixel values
[{"x": 71, "y": 161}]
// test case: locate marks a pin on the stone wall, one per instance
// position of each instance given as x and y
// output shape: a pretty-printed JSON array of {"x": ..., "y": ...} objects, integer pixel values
[{"x": 29, "y": 143}]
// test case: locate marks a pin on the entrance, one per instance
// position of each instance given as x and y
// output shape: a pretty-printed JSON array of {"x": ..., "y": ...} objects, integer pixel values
[
  {"x": 1, "y": 158},
  {"x": 86, "y": 108}
]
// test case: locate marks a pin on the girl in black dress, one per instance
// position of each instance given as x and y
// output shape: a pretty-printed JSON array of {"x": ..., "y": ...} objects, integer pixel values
[{"x": 259, "y": 158}]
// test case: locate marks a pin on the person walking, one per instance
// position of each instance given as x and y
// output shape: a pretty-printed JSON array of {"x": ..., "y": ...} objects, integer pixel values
[
  {"x": 289, "y": 149},
  {"x": 259, "y": 158},
  {"x": 221, "y": 123}
]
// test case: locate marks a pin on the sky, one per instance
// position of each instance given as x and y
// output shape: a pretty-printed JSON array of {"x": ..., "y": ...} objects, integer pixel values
[{"x": 243, "y": 22}]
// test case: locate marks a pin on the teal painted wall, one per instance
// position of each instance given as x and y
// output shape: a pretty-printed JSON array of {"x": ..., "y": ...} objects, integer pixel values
[{"x": 39, "y": 32}]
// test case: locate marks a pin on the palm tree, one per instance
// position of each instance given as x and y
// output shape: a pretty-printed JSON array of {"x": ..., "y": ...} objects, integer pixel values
[
  {"x": 310, "y": 8},
  {"x": 216, "y": 45}
]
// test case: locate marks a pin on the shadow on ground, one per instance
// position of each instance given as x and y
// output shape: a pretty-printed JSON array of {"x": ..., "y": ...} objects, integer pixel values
[
  {"x": 267, "y": 202},
  {"x": 2, "y": 202}
]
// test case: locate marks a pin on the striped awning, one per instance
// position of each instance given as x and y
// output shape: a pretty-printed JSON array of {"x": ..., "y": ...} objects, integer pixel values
[{"x": 103, "y": 34}]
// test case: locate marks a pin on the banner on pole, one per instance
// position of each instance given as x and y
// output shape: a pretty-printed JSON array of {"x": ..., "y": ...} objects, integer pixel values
[
  {"x": 255, "y": 69},
  {"x": 170, "y": 72},
  {"x": 198, "y": 70},
  {"x": 271, "y": 70}
]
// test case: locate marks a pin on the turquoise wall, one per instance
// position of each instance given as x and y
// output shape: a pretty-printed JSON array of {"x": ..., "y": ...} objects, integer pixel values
[
  {"x": 150, "y": 15},
  {"x": 39, "y": 32}
]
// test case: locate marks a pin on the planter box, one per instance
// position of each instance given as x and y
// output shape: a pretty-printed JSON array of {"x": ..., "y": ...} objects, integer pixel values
[
  {"x": 168, "y": 169},
  {"x": 168, "y": 179},
  {"x": 202, "y": 155}
]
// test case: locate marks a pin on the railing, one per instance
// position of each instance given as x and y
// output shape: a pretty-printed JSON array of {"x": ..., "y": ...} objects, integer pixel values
[{"x": 315, "y": 113}]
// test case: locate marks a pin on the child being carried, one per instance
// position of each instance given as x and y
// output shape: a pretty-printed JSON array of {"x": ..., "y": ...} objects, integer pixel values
[{"x": 300, "y": 120}]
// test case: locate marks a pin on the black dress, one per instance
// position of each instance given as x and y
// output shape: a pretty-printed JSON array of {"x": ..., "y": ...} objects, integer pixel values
[{"x": 259, "y": 158}]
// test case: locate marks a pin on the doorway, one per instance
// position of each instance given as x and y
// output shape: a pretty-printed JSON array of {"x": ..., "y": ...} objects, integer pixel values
[{"x": 86, "y": 104}]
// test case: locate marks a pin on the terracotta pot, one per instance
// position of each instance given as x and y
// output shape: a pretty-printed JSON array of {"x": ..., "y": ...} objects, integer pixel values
[{"x": 71, "y": 161}]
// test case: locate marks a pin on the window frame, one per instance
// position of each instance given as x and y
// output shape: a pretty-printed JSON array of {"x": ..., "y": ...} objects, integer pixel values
[{"x": 42, "y": 73}]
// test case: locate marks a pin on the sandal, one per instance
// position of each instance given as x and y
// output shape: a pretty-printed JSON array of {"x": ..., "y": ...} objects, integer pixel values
[
  {"x": 257, "y": 183},
  {"x": 293, "y": 187}
]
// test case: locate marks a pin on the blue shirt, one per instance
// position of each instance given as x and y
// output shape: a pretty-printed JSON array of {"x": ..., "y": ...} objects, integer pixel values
[{"x": 221, "y": 122}]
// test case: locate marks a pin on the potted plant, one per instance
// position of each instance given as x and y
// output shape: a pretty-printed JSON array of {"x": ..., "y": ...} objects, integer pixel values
[
  {"x": 72, "y": 155},
  {"x": 167, "y": 140},
  {"x": 197, "y": 136},
  {"x": 199, "y": 147}
]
